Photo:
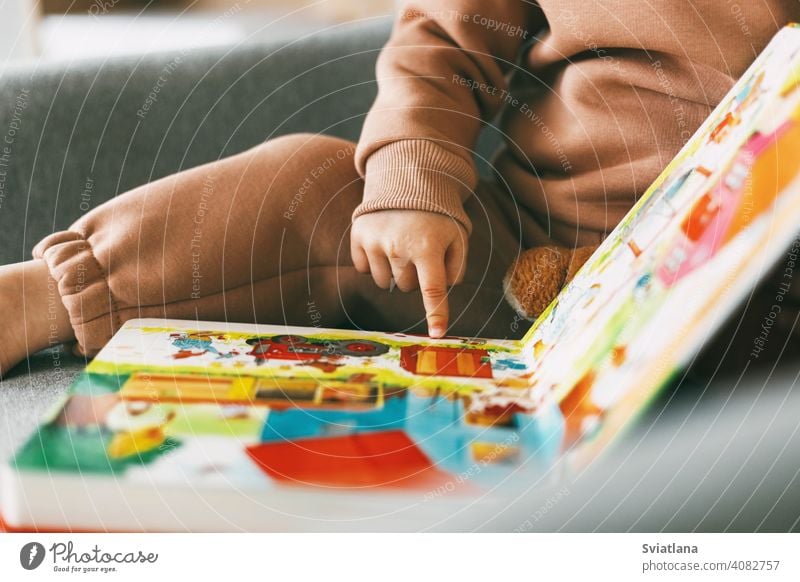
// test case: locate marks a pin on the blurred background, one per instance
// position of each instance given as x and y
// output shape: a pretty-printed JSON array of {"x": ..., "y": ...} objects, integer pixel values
[{"x": 73, "y": 29}]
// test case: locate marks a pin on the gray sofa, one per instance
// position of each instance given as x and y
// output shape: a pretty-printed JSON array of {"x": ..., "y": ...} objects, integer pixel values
[{"x": 92, "y": 130}]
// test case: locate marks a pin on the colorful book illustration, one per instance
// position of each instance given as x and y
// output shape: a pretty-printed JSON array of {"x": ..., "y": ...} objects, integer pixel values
[{"x": 202, "y": 425}]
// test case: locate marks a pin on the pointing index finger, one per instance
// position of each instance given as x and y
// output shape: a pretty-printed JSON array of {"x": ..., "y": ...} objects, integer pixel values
[{"x": 433, "y": 284}]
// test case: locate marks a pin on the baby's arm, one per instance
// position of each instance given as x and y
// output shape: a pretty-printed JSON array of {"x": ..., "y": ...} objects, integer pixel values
[{"x": 442, "y": 72}]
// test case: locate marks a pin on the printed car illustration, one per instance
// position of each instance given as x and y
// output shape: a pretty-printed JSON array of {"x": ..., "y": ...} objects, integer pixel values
[{"x": 297, "y": 347}]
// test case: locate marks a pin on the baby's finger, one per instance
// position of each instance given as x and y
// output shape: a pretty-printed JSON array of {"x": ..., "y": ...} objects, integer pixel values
[
  {"x": 433, "y": 283},
  {"x": 455, "y": 260},
  {"x": 405, "y": 274},
  {"x": 359, "y": 257},
  {"x": 379, "y": 267}
]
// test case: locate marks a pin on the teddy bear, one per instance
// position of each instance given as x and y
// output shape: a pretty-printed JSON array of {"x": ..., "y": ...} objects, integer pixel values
[{"x": 535, "y": 278}]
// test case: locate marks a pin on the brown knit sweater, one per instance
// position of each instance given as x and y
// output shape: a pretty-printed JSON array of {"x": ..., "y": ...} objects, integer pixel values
[{"x": 594, "y": 97}]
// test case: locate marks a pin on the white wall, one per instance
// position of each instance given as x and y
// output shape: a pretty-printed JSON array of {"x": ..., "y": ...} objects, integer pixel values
[{"x": 18, "y": 22}]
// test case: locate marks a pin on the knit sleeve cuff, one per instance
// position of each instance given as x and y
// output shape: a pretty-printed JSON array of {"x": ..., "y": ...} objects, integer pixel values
[{"x": 417, "y": 174}]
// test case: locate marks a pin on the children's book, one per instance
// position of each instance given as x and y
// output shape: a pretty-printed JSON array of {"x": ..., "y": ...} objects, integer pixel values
[{"x": 181, "y": 425}]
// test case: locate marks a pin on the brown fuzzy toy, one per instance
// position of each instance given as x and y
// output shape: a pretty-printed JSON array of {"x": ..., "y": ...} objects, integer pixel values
[{"x": 536, "y": 277}]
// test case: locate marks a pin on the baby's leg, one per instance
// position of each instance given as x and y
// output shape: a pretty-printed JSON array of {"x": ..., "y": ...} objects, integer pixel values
[
  {"x": 262, "y": 236},
  {"x": 246, "y": 238}
]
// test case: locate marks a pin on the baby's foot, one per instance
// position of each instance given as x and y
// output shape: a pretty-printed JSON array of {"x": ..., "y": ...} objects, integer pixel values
[
  {"x": 12, "y": 324},
  {"x": 32, "y": 316}
]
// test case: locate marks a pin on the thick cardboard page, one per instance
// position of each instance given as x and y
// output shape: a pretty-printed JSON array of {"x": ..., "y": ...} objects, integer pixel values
[
  {"x": 716, "y": 219},
  {"x": 237, "y": 412}
]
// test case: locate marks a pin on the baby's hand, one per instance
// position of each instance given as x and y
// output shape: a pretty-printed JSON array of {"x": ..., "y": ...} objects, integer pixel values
[{"x": 418, "y": 249}]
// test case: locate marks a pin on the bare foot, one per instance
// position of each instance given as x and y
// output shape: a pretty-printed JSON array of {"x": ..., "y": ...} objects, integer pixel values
[{"x": 32, "y": 316}]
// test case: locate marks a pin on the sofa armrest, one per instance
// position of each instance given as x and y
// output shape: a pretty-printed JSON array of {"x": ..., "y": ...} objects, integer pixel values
[{"x": 74, "y": 135}]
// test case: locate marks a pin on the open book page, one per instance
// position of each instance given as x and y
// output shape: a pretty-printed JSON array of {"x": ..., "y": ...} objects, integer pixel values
[
  {"x": 695, "y": 244},
  {"x": 214, "y": 404}
]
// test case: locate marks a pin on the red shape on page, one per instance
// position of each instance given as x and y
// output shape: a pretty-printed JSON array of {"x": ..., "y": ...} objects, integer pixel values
[{"x": 387, "y": 459}]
